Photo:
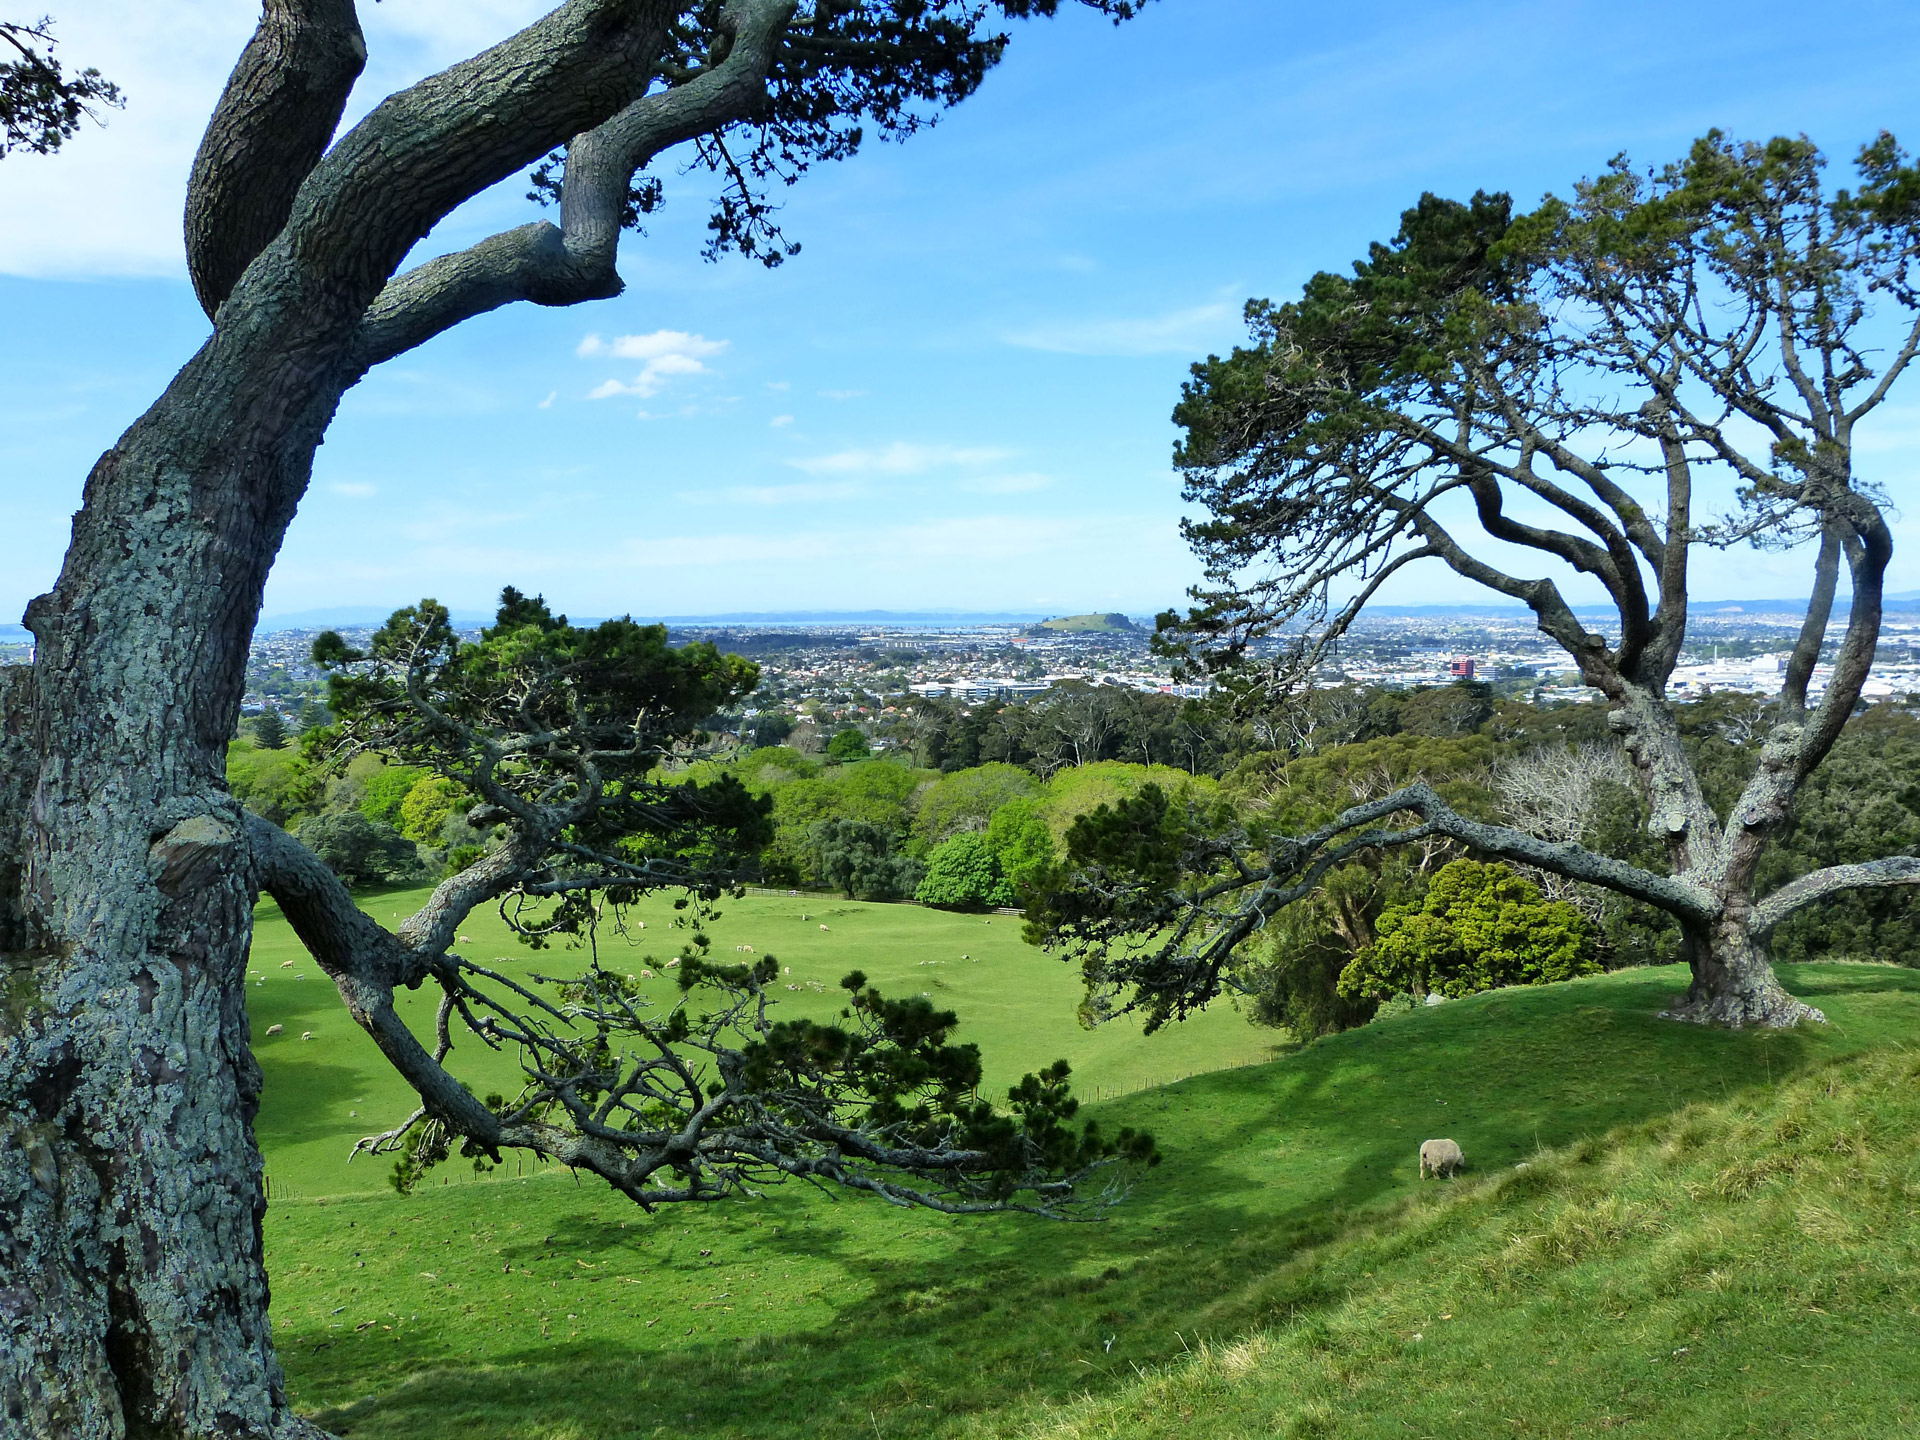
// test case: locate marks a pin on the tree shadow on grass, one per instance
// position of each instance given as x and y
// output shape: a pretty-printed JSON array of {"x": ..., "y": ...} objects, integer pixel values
[{"x": 1261, "y": 1162}]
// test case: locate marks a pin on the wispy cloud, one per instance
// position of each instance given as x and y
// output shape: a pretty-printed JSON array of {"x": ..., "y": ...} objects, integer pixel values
[
  {"x": 1025, "y": 482},
  {"x": 1174, "y": 332},
  {"x": 666, "y": 353},
  {"x": 780, "y": 422},
  {"x": 899, "y": 458},
  {"x": 962, "y": 540},
  {"x": 841, "y": 394},
  {"x": 354, "y": 489},
  {"x": 807, "y": 492}
]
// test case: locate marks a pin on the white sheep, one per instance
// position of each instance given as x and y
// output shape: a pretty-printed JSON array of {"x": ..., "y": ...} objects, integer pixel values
[
  {"x": 275, "y": 1029},
  {"x": 1440, "y": 1157},
  {"x": 306, "y": 1034}
]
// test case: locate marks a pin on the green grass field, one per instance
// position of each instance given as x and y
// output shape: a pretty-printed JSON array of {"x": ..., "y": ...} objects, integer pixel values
[
  {"x": 1696, "y": 1202},
  {"x": 1014, "y": 1002}
]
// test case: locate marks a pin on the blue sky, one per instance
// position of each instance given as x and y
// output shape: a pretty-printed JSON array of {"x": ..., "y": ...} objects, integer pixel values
[{"x": 958, "y": 395}]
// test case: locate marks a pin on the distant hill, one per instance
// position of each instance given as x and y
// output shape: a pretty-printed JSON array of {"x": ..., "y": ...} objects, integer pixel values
[{"x": 1112, "y": 623}]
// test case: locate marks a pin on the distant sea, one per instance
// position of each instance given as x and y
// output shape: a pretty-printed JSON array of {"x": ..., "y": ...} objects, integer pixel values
[{"x": 338, "y": 616}]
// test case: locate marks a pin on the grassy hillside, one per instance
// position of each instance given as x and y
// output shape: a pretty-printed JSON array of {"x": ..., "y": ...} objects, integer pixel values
[
  {"x": 1758, "y": 1189},
  {"x": 1750, "y": 1267},
  {"x": 1111, "y": 623},
  {"x": 1015, "y": 1003}
]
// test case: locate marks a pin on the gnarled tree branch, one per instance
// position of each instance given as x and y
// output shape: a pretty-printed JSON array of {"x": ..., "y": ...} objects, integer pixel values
[
  {"x": 1895, "y": 870},
  {"x": 575, "y": 261},
  {"x": 273, "y": 122}
]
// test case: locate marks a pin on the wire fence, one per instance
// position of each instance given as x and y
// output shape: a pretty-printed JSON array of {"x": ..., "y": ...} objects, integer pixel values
[{"x": 766, "y": 892}]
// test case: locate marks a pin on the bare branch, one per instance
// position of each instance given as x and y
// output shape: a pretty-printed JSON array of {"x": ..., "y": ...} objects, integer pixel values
[{"x": 1895, "y": 870}]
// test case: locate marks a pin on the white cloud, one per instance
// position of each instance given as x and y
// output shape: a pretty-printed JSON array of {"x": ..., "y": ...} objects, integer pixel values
[
  {"x": 1175, "y": 332},
  {"x": 841, "y": 394},
  {"x": 780, "y": 422},
  {"x": 658, "y": 345},
  {"x": 547, "y": 404},
  {"x": 898, "y": 458},
  {"x": 354, "y": 489},
  {"x": 667, "y": 352}
]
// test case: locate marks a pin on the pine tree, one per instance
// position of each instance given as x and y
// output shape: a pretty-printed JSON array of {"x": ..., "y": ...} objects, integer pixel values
[{"x": 269, "y": 730}]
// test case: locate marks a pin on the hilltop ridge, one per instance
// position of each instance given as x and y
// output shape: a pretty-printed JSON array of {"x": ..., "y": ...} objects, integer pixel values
[{"x": 1109, "y": 623}]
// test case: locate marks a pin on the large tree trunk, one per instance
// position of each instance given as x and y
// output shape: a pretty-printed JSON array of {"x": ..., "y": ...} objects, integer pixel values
[
  {"x": 132, "y": 1283},
  {"x": 1733, "y": 983}
]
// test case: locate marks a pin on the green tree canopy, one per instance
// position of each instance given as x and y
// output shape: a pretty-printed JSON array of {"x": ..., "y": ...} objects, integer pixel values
[
  {"x": 1480, "y": 927},
  {"x": 848, "y": 744},
  {"x": 961, "y": 875},
  {"x": 1021, "y": 843},
  {"x": 857, "y": 858},
  {"x": 968, "y": 800},
  {"x": 362, "y": 851}
]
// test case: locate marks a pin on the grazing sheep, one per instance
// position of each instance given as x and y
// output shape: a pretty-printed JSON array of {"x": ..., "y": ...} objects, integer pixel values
[
  {"x": 823, "y": 927},
  {"x": 1440, "y": 1157},
  {"x": 275, "y": 1029},
  {"x": 306, "y": 1034},
  {"x": 286, "y": 964}
]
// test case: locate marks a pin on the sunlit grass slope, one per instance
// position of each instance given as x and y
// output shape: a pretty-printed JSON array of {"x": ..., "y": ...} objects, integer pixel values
[
  {"x": 1015, "y": 1003},
  {"x": 1748, "y": 1267},
  {"x": 1285, "y": 1242}
]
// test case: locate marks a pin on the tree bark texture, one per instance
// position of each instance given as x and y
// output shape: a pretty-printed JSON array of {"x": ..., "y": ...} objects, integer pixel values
[{"x": 133, "y": 1294}]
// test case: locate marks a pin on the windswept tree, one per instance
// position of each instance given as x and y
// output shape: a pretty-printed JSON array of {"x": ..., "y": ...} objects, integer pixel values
[
  {"x": 557, "y": 734},
  {"x": 131, "y": 1273},
  {"x": 1519, "y": 398}
]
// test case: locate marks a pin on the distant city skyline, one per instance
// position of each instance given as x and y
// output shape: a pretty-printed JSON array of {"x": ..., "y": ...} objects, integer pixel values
[{"x": 957, "y": 397}]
